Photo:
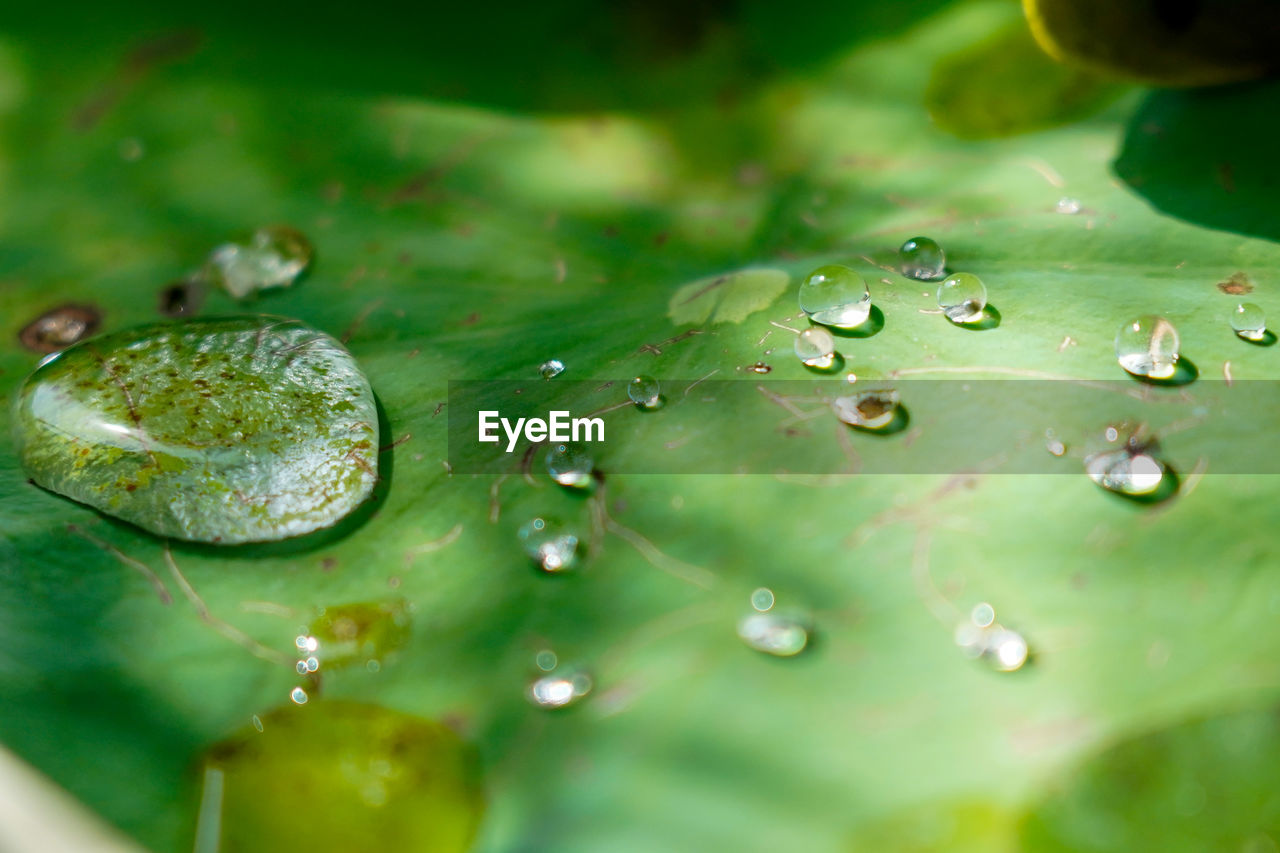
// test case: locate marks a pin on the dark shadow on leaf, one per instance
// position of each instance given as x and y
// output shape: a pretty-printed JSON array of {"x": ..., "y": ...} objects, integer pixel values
[
  {"x": 1202, "y": 156},
  {"x": 990, "y": 319},
  {"x": 1168, "y": 487},
  {"x": 901, "y": 420},
  {"x": 836, "y": 365},
  {"x": 1184, "y": 373},
  {"x": 1266, "y": 339},
  {"x": 870, "y": 326}
]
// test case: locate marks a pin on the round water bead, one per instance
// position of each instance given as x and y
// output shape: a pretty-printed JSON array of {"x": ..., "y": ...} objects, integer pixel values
[
  {"x": 228, "y": 430},
  {"x": 922, "y": 258},
  {"x": 1127, "y": 471},
  {"x": 869, "y": 410},
  {"x": 570, "y": 465},
  {"x": 762, "y": 599},
  {"x": 549, "y": 544},
  {"x": 1147, "y": 347},
  {"x": 645, "y": 392},
  {"x": 559, "y": 690},
  {"x": 1248, "y": 322},
  {"x": 1007, "y": 650},
  {"x": 816, "y": 347},
  {"x": 273, "y": 256},
  {"x": 298, "y": 695},
  {"x": 1069, "y": 206},
  {"x": 962, "y": 297},
  {"x": 60, "y": 328},
  {"x": 774, "y": 633},
  {"x": 551, "y": 368},
  {"x": 835, "y": 295}
]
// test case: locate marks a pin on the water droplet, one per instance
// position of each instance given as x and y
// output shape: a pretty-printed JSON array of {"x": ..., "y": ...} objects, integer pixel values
[
  {"x": 762, "y": 599},
  {"x": 274, "y": 256},
  {"x": 301, "y": 667},
  {"x": 298, "y": 695},
  {"x": 1053, "y": 444},
  {"x": 1007, "y": 649},
  {"x": 1111, "y": 434},
  {"x": 549, "y": 544},
  {"x": 551, "y": 368},
  {"x": 816, "y": 347},
  {"x": 870, "y": 410},
  {"x": 1130, "y": 470},
  {"x": 345, "y": 776},
  {"x": 1147, "y": 347},
  {"x": 60, "y": 327},
  {"x": 1249, "y": 322},
  {"x": 360, "y": 631},
  {"x": 373, "y": 665},
  {"x": 759, "y": 367},
  {"x": 238, "y": 429},
  {"x": 559, "y": 690},
  {"x": 546, "y": 660},
  {"x": 570, "y": 465},
  {"x": 645, "y": 392},
  {"x": 774, "y": 633},
  {"x": 983, "y": 614},
  {"x": 922, "y": 258},
  {"x": 962, "y": 297},
  {"x": 835, "y": 295},
  {"x": 1068, "y": 205},
  {"x": 257, "y": 723},
  {"x": 305, "y": 643},
  {"x": 312, "y": 664}
]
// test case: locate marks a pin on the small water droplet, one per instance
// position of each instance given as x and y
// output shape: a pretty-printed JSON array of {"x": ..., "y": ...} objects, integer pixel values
[
  {"x": 1130, "y": 470},
  {"x": 1111, "y": 434},
  {"x": 1147, "y": 347},
  {"x": 983, "y": 614},
  {"x": 835, "y": 295},
  {"x": 552, "y": 547},
  {"x": 59, "y": 328},
  {"x": 298, "y": 695},
  {"x": 301, "y": 667},
  {"x": 762, "y": 599},
  {"x": 981, "y": 636},
  {"x": 759, "y": 367},
  {"x": 373, "y": 665},
  {"x": 551, "y": 368},
  {"x": 1068, "y": 205},
  {"x": 645, "y": 392},
  {"x": 922, "y": 258},
  {"x": 1007, "y": 649},
  {"x": 306, "y": 643},
  {"x": 1249, "y": 322},
  {"x": 546, "y": 660},
  {"x": 569, "y": 465},
  {"x": 774, "y": 633},
  {"x": 312, "y": 664},
  {"x": 962, "y": 298},
  {"x": 869, "y": 410},
  {"x": 274, "y": 256},
  {"x": 257, "y": 723},
  {"x": 816, "y": 347},
  {"x": 559, "y": 690}
]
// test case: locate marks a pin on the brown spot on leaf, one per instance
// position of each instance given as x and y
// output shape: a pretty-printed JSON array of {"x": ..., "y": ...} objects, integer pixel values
[
  {"x": 60, "y": 327},
  {"x": 1237, "y": 284}
]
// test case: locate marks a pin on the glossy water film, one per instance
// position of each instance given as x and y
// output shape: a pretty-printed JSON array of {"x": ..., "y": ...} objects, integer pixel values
[{"x": 835, "y": 295}]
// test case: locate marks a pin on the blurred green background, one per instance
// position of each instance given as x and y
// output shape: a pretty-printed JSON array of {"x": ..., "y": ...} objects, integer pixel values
[{"x": 491, "y": 186}]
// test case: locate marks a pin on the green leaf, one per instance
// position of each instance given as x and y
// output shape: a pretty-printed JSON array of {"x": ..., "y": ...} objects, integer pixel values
[{"x": 729, "y": 298}]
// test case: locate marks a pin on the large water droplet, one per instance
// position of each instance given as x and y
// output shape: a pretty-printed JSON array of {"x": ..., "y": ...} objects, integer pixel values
[
  {"x": 1132, "y": 470},
  {"x": 645, "y": 392},
  {"x": 560, "y": 689},
  {"x": 922, "y": 258},
  {"x": 60, "y": 328},
  {"x": 551, "y": 368},
  {"x": 550, "y": 545},
  {"x": 962, "y": 297},
  {"x": 273, "y": 256},
  {"x": 868, "y": 410},
  {"x": 570, "y": 465},
  {"x": 835, "y": 295},
  {"x": 362, "y": 631},
  {"x": 240, "y": 429},
  {"x": 345, "y": 776},
  {"x": 816, "y": 347},
  {"x": 1147, "y": 347},
  {"x": 1249, "y": 322}
]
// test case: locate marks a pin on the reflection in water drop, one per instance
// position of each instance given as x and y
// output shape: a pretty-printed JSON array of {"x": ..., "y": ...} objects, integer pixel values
[
  {"x": 816, "y": 348},
  {"x": 274, "y": 256},
  {"x": 298, "y": 695},
  {"x": 922, "y": 258},
  {"x": 552, "y": 547},
  {"x": 551, "y": 368},
  {"x": 569, "y": 465},
  {"x": 645, "y": 392},
  {"x": 559, "y": 690},
  {"x": 1147, "y": 347},
  {"x": 835, "y": 295},
  {"x": 962, "y": 298}
]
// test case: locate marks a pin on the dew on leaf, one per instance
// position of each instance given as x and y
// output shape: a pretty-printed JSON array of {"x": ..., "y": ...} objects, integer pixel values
[
  {"x": 551, "y": 368},
  {"x": 922, "y": 258},
  {"x": 776, "y": 634},
  {"x": 981, "y": 636},
  {"x": 559, "y": 690},
  {"x": 645, "y": 392},
  {"x": 1147, "y": 347},
  {"x": 962, "y": 298},
  {"x": 549, "y": 544},
  {"x": 306, "y": 643},
  {"x": 762, "y": 599},
  {"x": 230, "y": 430},
  {"x": 1068, "y": 206},
  {"x": 569, "y": 465},
  {"x": 835, "y": 295},
  {"x": 868, "y": 410},
  {"x": 298, "y": 695},
  {"x": 1133, "y": 470},
  {"x": 273, "y": 256},
  {"x": 546, "y": 660},
  {"x": 1248, "y": 321},
  {"x": 60, "y": 327},
  {"x": 816, "y": 348}
]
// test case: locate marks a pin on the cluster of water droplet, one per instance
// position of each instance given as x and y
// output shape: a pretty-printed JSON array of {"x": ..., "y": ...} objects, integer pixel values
[
  {"x": 549, "y": 544},
  {"x": 307, "y": 664},
  {"x": 981, "y": 636}
]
